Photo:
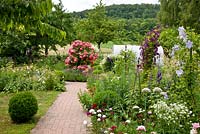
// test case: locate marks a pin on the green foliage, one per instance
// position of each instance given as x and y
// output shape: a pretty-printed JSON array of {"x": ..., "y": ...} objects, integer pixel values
[
  {"x": 168, "y": 38},
  {"x": 16, "y": 13},
  {"x": 53, "y": 62},
  {"x": 176, "y": 13},
  {"x": 27, "y": 27},
  {"x": 22, "y": 107},
  {"x": 74, "y": 75},
  {"x": 106, "y": 99},
  {"x": 108, "y": 63},
  {"x": 59, "y": 19},
  {"x": 125, "y": 63},
  {"x": 85, "y": 99}
]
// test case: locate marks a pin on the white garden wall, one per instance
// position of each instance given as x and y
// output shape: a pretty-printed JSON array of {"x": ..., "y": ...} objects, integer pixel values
[{"x": 136, "y": 49}]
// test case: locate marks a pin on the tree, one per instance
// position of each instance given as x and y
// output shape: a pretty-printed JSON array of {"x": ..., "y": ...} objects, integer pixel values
[
  {"x": 97, "y": 27},
  {"x": 19, "y": 21},
  {"x": 60, "y": 19},
  {"x": 180, "y": 12}
]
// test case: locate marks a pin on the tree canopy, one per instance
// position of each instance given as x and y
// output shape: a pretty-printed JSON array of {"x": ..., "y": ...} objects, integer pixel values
[
  {"x": 97, "y": 27},
  {"x": 180, "y": 12},
  {"x": 126, "y": 11}
]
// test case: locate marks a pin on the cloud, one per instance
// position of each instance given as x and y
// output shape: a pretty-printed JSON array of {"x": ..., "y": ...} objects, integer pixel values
[{"x": 79, "y": 5}]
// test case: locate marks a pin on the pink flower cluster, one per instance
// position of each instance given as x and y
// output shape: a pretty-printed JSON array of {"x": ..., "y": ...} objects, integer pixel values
[
  {"x": 81, "y": 55},
  {"x": 195, "y": 125}
]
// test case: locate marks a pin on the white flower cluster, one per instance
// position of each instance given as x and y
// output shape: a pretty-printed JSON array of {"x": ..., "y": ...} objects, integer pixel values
[
  {"x": 146, "y": 90},
  {"x": 98, "y": 113},
  {"x": 157, "y": 89},
  {"x": 171, "y": 113}
]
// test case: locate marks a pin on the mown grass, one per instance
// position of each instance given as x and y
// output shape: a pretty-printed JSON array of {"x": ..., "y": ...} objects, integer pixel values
[{"x": 45, "y": 100}]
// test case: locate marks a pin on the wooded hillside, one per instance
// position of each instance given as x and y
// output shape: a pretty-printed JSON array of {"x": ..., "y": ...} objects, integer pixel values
[{"x": 127, "y": 11}]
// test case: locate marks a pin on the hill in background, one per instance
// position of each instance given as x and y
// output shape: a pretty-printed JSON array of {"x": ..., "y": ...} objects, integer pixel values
[{"x": 127, "y": 11}]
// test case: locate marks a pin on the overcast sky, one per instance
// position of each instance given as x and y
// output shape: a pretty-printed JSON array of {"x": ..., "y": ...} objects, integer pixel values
[{"x": 79, "y": 5}]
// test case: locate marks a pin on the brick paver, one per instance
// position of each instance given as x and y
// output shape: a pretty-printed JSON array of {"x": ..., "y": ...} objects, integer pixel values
[{"x": 66, "y": 115}]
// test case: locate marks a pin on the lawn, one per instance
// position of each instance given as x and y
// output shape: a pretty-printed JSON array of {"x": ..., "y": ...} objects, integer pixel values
[{"x": 45, "y": 100}]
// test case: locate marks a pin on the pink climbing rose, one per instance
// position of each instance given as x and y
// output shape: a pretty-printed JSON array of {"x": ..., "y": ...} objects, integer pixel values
[{"x": 81, "y": 55}]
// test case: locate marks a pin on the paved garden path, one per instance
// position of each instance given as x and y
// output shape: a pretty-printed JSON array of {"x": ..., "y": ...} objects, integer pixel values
[{"x": 66, "y": 115}]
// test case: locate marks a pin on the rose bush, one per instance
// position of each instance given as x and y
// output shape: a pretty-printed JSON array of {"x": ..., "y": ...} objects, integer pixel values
[{"x": 81, "y": 55}]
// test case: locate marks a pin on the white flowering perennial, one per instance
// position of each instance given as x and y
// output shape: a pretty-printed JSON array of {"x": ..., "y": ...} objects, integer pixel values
[
  {"x": 136, "y": 107},
  {"x": 171, "y": 113},
  {"x": 157, "y": 89},
  {"x": 146, "y": 90},
  {"x": 128, "y": 121}
]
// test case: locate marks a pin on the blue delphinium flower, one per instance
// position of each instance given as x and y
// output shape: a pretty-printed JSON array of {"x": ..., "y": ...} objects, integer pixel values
[
  {"x": 182, "y": 33},
  {"x": 174, "y": 49},
  {"x": 179, "y": 72},
  {"x": 189, "y": 44}
]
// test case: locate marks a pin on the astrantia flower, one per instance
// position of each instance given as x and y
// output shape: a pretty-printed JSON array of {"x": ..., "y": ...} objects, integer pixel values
[
  {"x": 193, "y": 131},
  {"x": 157, "y": 89},
  {"x": 179, "y": 72},
  {"x": 99, "y": 115},
  {"x": 105, "y": 132},
  {"x": 149, "y": 112},
  {"x": 99, "y": 111},
  {"x": 128, "y": 121},
  {"x": 141, "y": 128},
  {"x": 189, "y": 44},
  {"x": 136, "y": 107},
  {"x": 91, "y": 111},
  {"x": 146, "y": 90},
  {"x": 195, "y": 125},
  {"x": 104, "y": 116},
  {"x": 98, "y": 119}
]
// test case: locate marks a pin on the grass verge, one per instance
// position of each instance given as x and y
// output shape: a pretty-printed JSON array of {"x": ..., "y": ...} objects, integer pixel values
[{"x": 45, "y": 99}]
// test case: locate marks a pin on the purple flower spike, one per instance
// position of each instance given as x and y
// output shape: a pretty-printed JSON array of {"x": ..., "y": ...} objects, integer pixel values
[
  {"x": 189, "y": 44},
  {"x": 159, "y": 76}
]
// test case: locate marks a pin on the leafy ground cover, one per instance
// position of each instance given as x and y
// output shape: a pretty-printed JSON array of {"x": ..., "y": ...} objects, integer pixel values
[{"x": 44, "y": 98}]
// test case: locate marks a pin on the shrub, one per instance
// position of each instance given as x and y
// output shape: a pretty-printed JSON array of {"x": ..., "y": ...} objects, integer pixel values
[
  {"x": 50, "y": 83},
  {"x": 81, "y": 55},
  {"x": 22, "y": 107},
  {"x": 106, "y": 98}
]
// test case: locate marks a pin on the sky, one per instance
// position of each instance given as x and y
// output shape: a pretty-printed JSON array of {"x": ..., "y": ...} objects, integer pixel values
[{"x": 80, "y": 5}]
